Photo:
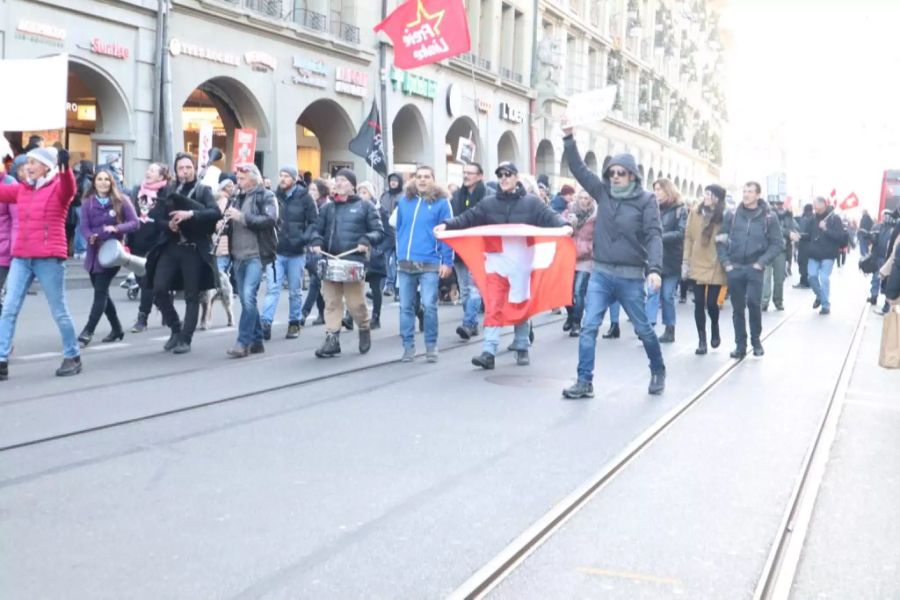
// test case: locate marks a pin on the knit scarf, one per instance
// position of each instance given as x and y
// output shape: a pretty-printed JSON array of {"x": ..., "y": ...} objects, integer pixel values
[
  {"x": 582, "y": 215},
  {"x": 150, "y": 189},
  {"x": 623, "y": 191}
]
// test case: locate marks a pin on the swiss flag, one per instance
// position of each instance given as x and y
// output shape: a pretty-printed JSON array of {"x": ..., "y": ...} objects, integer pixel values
[
  {"x": 851, "y": 201},
  {"x": 426, "y": 31},
  {"x": 521, "y": 270}
]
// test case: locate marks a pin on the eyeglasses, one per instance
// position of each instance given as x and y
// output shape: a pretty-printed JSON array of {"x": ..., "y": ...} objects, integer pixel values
[
  {"x": 617, "y": 173},
  {"x": 504, "y": 174}
]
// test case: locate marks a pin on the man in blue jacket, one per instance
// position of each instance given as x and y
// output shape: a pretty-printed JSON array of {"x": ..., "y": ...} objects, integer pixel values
[{"x": 422, "y": 260}]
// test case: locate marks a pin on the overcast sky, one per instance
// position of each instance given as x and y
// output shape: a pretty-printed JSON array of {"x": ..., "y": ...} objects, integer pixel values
[{"x": 820, "y": 81}]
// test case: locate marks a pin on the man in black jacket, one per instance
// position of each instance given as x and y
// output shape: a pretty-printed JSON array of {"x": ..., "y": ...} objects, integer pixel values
[
  {"x": 297, "y": 216},
  {"x": 826, "y": 236},
  {"x": 182, "y": 257},
  {"x": 864, "y": 235},
  {"x": 510, "y": 205},
  {"x": 466, "y": 198},
  {"x": 387, "y": 203},
  {"x": 803, "y": 246},
  {"x": 749, "y": 240},
  {"x": 775, "y": 273},
  {"x": 252, "y": 243},
  {"x": 347, "y": 223},
  {"x": 627, "y": 249}
]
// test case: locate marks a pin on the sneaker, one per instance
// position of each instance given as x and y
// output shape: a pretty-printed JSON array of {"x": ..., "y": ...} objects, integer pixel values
[
  {"x": 825, "y": 310},
  {"x": 575, "y": 331},
  {"x": 140, "y": 324},
  {"x": 581, "y": 389},
  {"x": 738, "y": 353},
  {"x": 522, "y": 358},
  {"x": 267, "y": 330},
  {"x": 657, "y": 383},
  {"x": 182, "y": 347},
  {"x": 69, "y": 367},
  {"x": 485, "y": 360},
  {"x": 409, "y": 354},
  {"x": 238, "y": 351},
  {"x": 431, "y": 354},
  {"x": 293, "y": 331}
]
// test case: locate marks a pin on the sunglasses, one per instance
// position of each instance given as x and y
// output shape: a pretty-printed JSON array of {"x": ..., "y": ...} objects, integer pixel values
[
  {"x": 617, "y": 173},
  {"x": 504, "y": 174}
]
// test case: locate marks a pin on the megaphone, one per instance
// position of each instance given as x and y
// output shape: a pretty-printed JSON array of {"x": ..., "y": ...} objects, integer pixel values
[{"x": 113, "y": 254}]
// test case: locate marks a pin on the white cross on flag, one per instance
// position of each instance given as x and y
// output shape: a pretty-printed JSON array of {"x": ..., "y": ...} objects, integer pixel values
[{"x": 520, "y": 270}]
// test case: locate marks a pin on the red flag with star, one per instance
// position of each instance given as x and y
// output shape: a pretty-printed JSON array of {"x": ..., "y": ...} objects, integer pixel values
[
  {"x": 426, "y": 31},
  {"x": 521, "y": 270}
]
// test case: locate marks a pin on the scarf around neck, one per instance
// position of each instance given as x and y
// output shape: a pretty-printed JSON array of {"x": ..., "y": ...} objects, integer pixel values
[
  {"x": 150, "y": 190},
  {"x": 623, "y": 191}
]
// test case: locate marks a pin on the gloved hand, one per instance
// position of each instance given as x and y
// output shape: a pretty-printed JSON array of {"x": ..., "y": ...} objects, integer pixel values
[{"x": 62, "y": 159}]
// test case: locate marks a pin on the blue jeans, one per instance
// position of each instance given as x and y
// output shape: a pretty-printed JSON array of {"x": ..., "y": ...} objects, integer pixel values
[
  {"x": 248, "y": 273},
  {"x": 292, "y": 268},
  {"x": 603, "y": 290},
  {"x": 667, "y": 293},
  {"x": 223, "y": 263},
  {"x": 79, "y": 244},
  {"x": 469, "y": 295},
  {"x": 614, "y": 310},
  {"x": 390, "y": 259},
  {"x": 409, "y": 281},
  {"x": 491, "y": 342},
  {"x": 819, "y": 274},
  {"x": 51, "y": 272}
]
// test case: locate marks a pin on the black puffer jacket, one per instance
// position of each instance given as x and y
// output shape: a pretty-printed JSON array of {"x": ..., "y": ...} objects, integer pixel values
[
  {"x": 825, "y": 244},
  {"x": 749, "y": 237},
  {"x": 464, "y": 200},
  {"x": 298, "y": 213},
  {"x": 508, "y": 207},
  {"x": 627, "y": 232},
  {"x": 343, "y": 226},
  {"x": 673, "y": 218}
]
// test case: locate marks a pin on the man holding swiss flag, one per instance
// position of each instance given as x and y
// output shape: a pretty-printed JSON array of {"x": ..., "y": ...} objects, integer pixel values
[
  {"x": 520, "y": 270},
  {"x": 627, "y": 247}
]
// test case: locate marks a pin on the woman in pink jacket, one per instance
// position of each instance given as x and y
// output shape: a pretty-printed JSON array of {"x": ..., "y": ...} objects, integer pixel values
[
  {"x": 40, "y": 250},
  {"x": 8, "y": 225}
]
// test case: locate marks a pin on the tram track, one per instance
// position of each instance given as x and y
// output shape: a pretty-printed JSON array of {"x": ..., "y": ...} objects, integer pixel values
[{"x": 510, "y": 558}]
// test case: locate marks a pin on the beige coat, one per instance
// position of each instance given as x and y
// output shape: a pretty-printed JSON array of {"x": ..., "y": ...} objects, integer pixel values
[{"x": 702, "y": 260}]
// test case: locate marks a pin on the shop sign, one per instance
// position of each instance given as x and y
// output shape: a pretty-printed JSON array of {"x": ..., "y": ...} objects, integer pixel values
[
  {"x": 513, "y": 115},
  {"x": 178, "y": 48},
  {"x": 351, "y": 82},
  {"x": 261, "y": 61},
  {"x": 413, "y": 85},
  {"x": 109, "y": 49},
  {"x": 484, "y": 106},
  {"x": 310, "y": 72},
  {"x": 41, "y": 32},
  {"x": 82, "y": 112}
]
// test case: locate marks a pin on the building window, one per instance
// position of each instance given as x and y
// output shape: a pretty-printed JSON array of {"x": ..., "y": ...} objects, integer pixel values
[{"x": 342, "y": 19}]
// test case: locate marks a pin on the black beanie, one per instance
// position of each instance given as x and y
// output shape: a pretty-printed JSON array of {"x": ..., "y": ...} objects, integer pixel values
[{"x": 348, "y": 175}]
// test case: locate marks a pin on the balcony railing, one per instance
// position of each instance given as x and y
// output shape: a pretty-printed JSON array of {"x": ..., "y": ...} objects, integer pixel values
[
  {"x": 511, "y": 75},
  {"x": 345, "y": 31},
  {"x": 474, "y": 59},
  {"x": 311, "y": 20},
  {"x": 269, "y": 8}
]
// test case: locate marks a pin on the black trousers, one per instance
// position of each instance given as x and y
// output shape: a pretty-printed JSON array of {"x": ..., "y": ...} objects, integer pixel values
[
  {"x": 102, "y": 302},
  {"x": 745, "y": 285},
  {"x": 706, "y": 301},
  {"x": 375, "y": 283},
  {"x": 185, "y": 261},
  {"x": 803, "y": 262}
]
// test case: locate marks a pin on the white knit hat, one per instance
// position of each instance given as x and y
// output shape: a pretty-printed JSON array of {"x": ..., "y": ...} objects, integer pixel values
[{"x": 47, "y": 156}]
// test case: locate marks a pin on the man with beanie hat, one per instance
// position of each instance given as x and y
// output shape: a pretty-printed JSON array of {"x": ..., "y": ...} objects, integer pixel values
[
  {"x": 348, "y": 224},
  {"x": 298, "y": 213},
  {"x": 387, "y": 204},
  {"x": 627, "y": 249}
]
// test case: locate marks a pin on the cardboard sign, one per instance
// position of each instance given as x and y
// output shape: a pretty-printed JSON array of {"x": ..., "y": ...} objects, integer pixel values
[
  {"x": 588, "y": 109},
  {"x": 244, "y": 147}
]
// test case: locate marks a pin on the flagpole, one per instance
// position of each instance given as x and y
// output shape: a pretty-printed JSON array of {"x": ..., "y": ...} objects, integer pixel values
[{"x": 383, "y": 72}]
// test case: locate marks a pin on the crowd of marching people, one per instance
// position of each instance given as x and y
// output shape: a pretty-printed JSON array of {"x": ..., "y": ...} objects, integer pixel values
[{"x": 208, "y": 236}]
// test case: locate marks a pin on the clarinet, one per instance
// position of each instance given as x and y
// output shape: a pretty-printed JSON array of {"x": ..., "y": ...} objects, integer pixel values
[{"x": 225, "y": 227}]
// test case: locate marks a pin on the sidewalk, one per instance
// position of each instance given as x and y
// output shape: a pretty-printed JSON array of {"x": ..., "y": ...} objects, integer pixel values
[{"x": 851, "y": 548}]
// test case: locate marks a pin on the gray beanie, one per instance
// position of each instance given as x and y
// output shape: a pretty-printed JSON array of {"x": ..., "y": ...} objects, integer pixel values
[
  {"x": 292, "y": 171},
  {"x": 46, "y": 156},
  {"x": 348, "y": 175}
]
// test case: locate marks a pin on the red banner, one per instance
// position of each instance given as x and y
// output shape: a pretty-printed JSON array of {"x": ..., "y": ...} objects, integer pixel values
[
  {"x": 426, "y": 31},
  {"x": 851, "y": 201},
  {"x": 244, "y": 147},
  {"x": 521, "y": 270}
]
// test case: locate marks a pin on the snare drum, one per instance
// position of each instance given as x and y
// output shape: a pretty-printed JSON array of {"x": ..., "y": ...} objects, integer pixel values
[{"x": 341, "y": 271}]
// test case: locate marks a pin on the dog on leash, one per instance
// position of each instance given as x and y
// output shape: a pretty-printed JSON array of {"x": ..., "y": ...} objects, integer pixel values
[{"x": 208, "y": 297}]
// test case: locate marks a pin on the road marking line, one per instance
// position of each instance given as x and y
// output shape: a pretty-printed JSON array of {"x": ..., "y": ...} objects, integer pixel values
[
  {"x": 39, "y": 356},
  {"x": 630, "y": 575},
  {"x": 107, "y": 347}
]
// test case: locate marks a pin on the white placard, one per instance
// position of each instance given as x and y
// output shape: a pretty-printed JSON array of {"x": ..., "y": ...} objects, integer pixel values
[
  {"x": 588, "y": 109},
  {"x": 41, "y": 105}
]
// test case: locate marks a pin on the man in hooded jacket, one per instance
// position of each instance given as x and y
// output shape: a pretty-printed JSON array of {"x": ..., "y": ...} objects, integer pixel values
[
  {"x": 627, "y": 249},
  {"x": 387, "y": 203}
]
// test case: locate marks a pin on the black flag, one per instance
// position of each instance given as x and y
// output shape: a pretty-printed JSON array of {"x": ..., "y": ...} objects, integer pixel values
[{"x": 368, "y": 143}]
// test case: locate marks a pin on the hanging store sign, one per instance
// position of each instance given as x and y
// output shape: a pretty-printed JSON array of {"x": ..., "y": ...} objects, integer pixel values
[
  {"x": 109, "y": 49},
  {"x": 484, "y": 106},
  {"x": 179, "y": 48},
  {"x": 310, "y": 72},
  {"x": 260, "y": 61},
  {"x": 513, "y": 115},
  {"x": 413, "y": 85},
  {"x": 351, "y": 82},
  {"x": 40, "y": 32},
  {"x": 244, "y": 147}
]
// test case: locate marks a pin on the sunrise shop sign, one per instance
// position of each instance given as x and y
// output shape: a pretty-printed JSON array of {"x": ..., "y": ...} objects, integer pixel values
[{"x": 413, "y": 85}]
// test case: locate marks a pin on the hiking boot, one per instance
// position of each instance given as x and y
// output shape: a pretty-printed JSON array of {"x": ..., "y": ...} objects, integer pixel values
[
  {"x": 4, "y": 370},
  {"x": 431, "y": 354},
  {"x": 267, "y": 330},
  {"x": 365, "y": 340},
  {"x": 701, "y": 346},
  {"x": 238, "y": 351},
  {"x": 613, "y": 333},
  {"x": 657, "y": 383},
  {"x": 485, "y": 360},
  {"x": 581, "y": 389},
  {"x": 409, "y": 354},
  {"x": 330, "y": 347},
  {"x": 140, "y": 325},
  {"x": 738, "y": 353},
  {"x": 69, "y": 366},
  {"x": 522, "y": 358},
  {"x": 669, "y": 336},
  {"x": 293, "y": 331},
  {"x": 467, "y": 332},
  {"x": 714, "y": 339},
  {"x": 257, "y": 348}
]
